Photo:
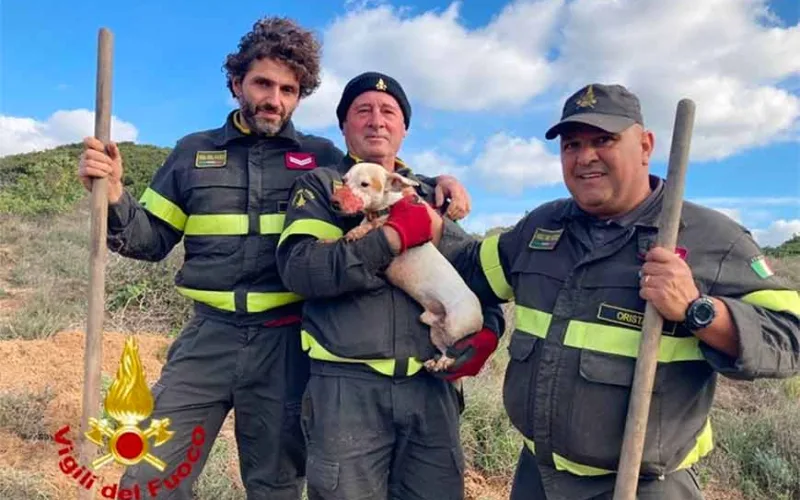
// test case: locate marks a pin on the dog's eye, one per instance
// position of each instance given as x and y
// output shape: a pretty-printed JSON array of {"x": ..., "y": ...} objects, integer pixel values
[{"x": 364, "y": 184}]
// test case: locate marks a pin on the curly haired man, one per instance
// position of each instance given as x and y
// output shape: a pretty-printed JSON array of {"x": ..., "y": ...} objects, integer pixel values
[{"x": 225, "y": 193}]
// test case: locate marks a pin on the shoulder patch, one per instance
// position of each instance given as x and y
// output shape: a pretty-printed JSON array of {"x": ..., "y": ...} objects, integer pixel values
[
  {"x": 760, "y": 266},
  {"x": 301, "y": 197},
  {"x": 206, "y": 159},
  {"x": 545, "y": 239}
]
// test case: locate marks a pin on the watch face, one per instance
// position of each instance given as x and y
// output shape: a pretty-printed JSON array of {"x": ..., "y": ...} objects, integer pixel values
[{"x": 704, "y": 313}]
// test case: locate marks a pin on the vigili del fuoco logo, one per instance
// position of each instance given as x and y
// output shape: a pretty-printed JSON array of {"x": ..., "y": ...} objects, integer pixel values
[{"x": 128, "y": 402}]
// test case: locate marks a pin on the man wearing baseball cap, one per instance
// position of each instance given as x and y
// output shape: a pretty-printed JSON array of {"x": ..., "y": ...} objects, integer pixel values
[
  {"x": 378, "y": 424},
  {"x": 580, "y": 271}
]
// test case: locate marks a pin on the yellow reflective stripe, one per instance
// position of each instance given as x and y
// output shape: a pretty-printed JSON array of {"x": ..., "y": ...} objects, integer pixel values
[
  {"x": 163, "y": 209},
  {"x": 216, "y": 225},
  {"x": 231, "y": 224},
  {"x": 264, "y": 301},
  {"x": 493, "y": 270},
  {"x": 220, "y": 300},
  {"x": 256, "y": 301},
  {"x": 532, "y": 321},
  {"x": 563, "y": 464},
  {"x": 313, "y": 227},
  {"x": 625, "y": 342},
  {"x": 703, "y": 446},
  {"x": 383, "y": 366},
  {"x": 271, "y": 223},
  {"x": 775, "y": 300}
]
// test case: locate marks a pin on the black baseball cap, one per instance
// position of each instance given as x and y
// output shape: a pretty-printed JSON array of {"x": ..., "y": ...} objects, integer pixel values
[{"x": 612, "y": 108}]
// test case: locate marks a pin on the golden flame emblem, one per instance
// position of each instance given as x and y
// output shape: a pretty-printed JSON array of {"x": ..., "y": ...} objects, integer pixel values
[
  {"x": 381, "y": 85},
  {"x": 128, "y": 402},
  {"x": 587, "y": 100}
]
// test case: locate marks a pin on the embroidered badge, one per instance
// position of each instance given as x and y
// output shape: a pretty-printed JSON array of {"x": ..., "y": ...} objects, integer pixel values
[
  {"x": 302, "y": 196},
  {"x": 587, "y": 100},
  {"x": 545, "y": 239},
  {"x": 629, "y": 318},
  {"x": 761, "y": 267},
  {"x": 380, "y": 85},
  {"x": 206, "y": 159},
  {"x": 300, "y": 161}
]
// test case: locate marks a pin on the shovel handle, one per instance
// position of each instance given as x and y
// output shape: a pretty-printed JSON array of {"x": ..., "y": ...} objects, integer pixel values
[
  {"x": 642, "y": 389},
  {"x": 93, "y": 351}
]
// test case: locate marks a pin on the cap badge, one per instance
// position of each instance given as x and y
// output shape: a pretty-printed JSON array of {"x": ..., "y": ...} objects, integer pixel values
[
  {"x": 380, "y": 85},
  {"x": 587, "y": 100}
]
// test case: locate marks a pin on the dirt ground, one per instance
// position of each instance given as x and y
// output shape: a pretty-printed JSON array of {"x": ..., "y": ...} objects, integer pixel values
[{"x": 57, "y": 364}]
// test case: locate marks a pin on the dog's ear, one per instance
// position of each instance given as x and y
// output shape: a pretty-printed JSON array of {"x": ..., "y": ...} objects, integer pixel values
[{"x": 397, "y": 182}]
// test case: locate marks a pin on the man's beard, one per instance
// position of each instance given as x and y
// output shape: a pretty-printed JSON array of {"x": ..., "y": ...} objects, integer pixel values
[{"x": 258, "y": 124}]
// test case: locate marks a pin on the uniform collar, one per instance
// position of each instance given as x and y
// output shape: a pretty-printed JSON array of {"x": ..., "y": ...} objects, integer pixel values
[
  {"x": 236, "y": 128},
  {"x": 399, "y": 165},
  {"x": 647, "y": 214}
]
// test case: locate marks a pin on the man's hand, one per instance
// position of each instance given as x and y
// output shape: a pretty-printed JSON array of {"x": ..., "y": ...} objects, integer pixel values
[
  {"x": 95, "y": 162},
  {"x": 470, "y": 354},
  {"x": 410, "y": 222},
  {"x": 667, "y": 282},
  {"x": 448, "y": 186}
]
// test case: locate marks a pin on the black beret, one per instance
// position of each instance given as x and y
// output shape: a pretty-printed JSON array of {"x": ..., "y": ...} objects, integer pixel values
[{"x": 372, "y": 81}]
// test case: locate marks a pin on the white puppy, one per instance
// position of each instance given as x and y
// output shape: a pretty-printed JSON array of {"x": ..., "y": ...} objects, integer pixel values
[{"x": 452, "y": 310}]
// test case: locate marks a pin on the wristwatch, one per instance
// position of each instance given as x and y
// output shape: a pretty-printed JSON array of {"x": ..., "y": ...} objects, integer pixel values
[{"x": 700, "y": 313}]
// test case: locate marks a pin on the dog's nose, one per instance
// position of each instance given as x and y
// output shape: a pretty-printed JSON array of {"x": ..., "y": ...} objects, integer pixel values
[{"x": 336, "y": 204}]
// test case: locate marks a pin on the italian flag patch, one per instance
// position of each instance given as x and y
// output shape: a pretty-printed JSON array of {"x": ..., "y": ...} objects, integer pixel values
[{"x": 760, "y": 266}]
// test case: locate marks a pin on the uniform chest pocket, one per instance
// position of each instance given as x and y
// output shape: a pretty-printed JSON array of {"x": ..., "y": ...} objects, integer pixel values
[
  {"x": 612, "y": 275},
  {"x": 538, "y": 279},
  {"x": 217, "y": 190}
]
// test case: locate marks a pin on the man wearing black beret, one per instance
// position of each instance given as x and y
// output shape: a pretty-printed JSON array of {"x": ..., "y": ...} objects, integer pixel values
[{"x": 378, "y": 425}]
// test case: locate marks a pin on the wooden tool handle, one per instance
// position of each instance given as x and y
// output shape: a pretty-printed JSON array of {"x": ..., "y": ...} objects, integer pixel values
[
  {"x": 646, "y": 363},
  {"x": 93, "y": 351}
]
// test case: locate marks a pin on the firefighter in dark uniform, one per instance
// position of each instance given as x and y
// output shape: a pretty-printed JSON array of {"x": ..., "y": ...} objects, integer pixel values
[
  {"x": 580, "y": 271},
  {"x": 225, "y": 192},
  {"x": 378, "y": 424}
]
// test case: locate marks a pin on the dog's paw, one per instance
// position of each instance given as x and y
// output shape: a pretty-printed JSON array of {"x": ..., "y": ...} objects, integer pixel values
[{"x": 357, "y": 233}]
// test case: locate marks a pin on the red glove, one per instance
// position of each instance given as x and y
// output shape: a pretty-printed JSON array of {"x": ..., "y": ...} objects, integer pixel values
[
  {"x": 410, "y": 218},
  {"x": 470, "y": 354}
]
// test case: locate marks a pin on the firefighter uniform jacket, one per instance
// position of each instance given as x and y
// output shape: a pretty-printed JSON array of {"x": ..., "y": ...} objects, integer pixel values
[
  {"x": 578, "y": 319},
  {"x": 225, "y": 191},
  {"x": 352, "y": 313}
]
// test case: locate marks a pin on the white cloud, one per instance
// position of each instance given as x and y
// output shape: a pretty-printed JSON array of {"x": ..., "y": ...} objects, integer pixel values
[
  {"x": 431, "y": 163},
  {"x": 480, "y": 223},
  {"x": 510, "y": 164},
  {"x": 442, "y": 63},
  {"x": 319, "y": 109},
  {"x": 22, "y": 135},
  {"x": 726, "y": 55},
  {"x": 729, "y": 56},
  {"x": 777, "y": 232},
  {"x": 505, "y": 164}
]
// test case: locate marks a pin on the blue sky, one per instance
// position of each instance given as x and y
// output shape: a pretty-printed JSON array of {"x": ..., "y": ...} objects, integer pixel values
[{"x": 485, "y": 80}]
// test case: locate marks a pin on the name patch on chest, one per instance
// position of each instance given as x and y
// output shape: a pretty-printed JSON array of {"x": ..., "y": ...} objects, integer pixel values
[
  {"x": 545, "y": 239},
  {"x": 300, "y": 161},
  {"x": 629, "y": 318},
  {"x": 206, "y": 159}
]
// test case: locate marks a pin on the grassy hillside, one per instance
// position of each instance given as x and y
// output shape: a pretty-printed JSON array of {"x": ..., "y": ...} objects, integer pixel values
[
  {"x": 44, "y": 183},
  {"x": 44, "y": 279}
]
